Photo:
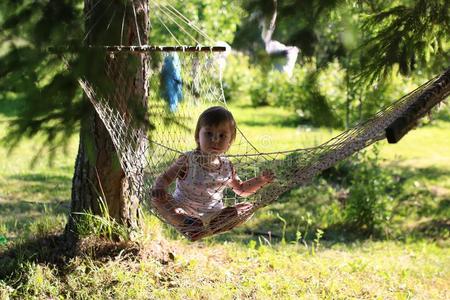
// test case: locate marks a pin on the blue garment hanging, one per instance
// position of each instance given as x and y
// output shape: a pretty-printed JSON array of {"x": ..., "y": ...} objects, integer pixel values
[{"x": 171, "y": 81}]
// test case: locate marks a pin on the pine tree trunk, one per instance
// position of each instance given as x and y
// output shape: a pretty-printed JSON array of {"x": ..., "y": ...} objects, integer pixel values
[{"x": 98, "y": 173}]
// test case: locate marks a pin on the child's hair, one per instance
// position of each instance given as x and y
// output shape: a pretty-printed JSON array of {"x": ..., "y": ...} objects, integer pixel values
[{"x": 215, "y": 116}]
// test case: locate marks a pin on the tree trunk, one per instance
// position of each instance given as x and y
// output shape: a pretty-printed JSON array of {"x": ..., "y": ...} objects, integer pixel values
[{"x": 123, "y": 80}]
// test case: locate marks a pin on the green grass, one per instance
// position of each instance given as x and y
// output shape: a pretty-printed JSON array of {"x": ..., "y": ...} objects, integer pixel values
[
  {"x": 369, "y": 270},
  {"x": 412, "y": 264},
  {"x": 422, "y": 148},
  {"x": 275, "y": 129}
]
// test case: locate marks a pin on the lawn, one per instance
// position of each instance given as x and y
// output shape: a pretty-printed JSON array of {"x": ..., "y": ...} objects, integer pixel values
[{"x": 412, "y": 262}]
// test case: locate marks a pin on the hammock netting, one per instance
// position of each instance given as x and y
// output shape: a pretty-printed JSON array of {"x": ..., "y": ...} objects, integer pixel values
[{"x": 198, "y": 85}]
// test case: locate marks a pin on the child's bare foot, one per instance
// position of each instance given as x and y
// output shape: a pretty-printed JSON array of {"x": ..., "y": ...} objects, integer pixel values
[{"x": 243, "y": 208}]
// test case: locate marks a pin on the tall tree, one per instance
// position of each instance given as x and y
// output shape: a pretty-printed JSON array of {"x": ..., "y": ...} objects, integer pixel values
[{"x": 53, "y": 102}]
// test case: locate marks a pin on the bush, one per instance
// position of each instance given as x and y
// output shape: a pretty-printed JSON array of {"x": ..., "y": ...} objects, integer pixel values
[
  {"x": 240, "y": 79},
  {"x": 321, "y": 97},
  {"x": 368, "y": 207},
  {"x": 259, "y": 85}
]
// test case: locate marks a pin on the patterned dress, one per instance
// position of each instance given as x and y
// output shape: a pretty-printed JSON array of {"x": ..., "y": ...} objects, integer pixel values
[{"x": 200, "y": 191}]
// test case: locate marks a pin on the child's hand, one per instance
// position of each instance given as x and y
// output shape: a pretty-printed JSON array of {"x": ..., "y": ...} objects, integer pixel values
[{"x": 267, "y": 176}]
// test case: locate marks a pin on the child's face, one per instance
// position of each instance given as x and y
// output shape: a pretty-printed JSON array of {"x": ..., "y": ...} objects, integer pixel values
[{"x": 215, "y": 139}]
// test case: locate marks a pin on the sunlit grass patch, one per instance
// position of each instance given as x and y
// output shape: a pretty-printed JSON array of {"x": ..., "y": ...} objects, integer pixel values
[
  {"x": 425, "y": 147},
  {"x": 277, "y": 129}
]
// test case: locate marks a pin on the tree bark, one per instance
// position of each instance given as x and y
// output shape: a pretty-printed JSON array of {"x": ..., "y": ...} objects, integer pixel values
[{"x": 123, "y": 80}]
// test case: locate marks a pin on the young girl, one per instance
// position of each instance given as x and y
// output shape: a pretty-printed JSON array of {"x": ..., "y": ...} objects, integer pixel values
[{"x": 201, "y": 175}]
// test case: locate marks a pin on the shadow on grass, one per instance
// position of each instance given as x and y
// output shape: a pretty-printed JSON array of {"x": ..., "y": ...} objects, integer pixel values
[
  {"x": 291, "y": 121},
  {"x": 443, "y": 115},
  {"x": 57, "y": 251},
  {"x": 429, "y": 173},
  {"x": 39, "y": 186},
  {"x": 19, "y": 214},
  {"x": 9, "y": 106},
  {"x": 271, "y": 119},
  {"x": 434, "y": 229},
  {"x": 36, "y": 177}
]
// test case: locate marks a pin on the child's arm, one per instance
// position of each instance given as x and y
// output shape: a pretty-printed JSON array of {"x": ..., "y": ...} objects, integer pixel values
[
  {"x": 159, "y": 192},
  {"x": 251, "y": 186},
  {"x": 165, "y": 179}
]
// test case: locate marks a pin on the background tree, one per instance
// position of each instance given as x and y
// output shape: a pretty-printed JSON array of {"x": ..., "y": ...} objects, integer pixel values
[
  {"x": 218, "y": 19},
  {"x": 403, "y": 33},
  {"x": 410, "y": 35},
  {"x": 367, "y": 45}
]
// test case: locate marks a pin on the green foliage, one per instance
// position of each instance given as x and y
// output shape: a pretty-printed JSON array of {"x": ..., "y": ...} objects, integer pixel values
[
  {"x": 358, "y": 50},
  {"x": 241, "y": 78},
  {"x": 48, "y": 93},
  {"x": 369, "y": 38},
  {"x": 408, "y": 34},
  {"x": 283, "y": 233},
  {"x": 244, "y": 82},
  {"x": 42, "y": 61},
  {"x": 218, "y": 19},
  {"x": 369, "y": 203},
  {"x": 303, "y": 94},
  {"x": 328, "y": 96}
]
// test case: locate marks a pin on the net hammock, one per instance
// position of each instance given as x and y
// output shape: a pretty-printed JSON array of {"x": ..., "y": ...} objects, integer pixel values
[{"x": 198, "y": 85}]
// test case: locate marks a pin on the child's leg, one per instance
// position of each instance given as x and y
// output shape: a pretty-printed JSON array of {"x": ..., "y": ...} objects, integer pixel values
[
  {"x": 170, "y": 210},
  {"x": 230, "y": 217},
  {"x": 193, "y": 228},
  {"x": 175, "y": 215}
]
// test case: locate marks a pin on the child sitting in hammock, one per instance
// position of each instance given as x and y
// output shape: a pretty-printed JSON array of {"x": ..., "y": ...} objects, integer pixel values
[{"x": 196, "y": 206}]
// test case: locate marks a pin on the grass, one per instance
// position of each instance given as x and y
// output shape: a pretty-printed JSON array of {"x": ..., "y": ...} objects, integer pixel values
[
  {"x": 369, "y": 270},
  {"x": 275, "y": 129},
  {"x": 412, "y": 264}
]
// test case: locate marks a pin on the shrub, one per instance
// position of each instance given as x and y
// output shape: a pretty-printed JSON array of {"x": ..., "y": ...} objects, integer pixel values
[
  {"x": 368, "y": 205},
  {"x": 259, "y": 85},
  {"x": 241, "y": 79},
  {"x": 321, "y": 97}
]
